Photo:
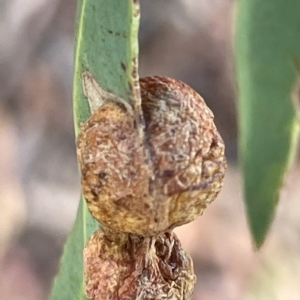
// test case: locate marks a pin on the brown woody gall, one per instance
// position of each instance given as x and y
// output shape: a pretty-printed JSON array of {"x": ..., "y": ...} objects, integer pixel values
[{"x": 151, "y": 186}]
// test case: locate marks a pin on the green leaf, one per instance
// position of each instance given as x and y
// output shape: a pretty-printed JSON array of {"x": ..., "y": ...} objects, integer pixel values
[
  {"x": 267, "y": 49},
  {"x": 106, "y": 46},
  {"x": 69, "y": 282}
]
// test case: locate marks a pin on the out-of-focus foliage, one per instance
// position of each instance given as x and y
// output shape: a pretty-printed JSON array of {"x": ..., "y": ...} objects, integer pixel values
[{"x": 267, "y": 49}]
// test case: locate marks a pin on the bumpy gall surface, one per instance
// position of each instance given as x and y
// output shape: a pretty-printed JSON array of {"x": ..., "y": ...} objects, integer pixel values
[{"x": 162, "y": 182}]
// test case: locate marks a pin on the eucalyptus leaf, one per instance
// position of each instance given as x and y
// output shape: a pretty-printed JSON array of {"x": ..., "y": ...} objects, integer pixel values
[
  {"x": 267, "y": 48},
  {"x": 107, "y": 47}
]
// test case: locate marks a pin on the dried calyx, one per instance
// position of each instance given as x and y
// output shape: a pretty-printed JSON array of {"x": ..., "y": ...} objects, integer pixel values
[
  {"x": 151, "y": 186},
  {"x": 125, "y": 266}
]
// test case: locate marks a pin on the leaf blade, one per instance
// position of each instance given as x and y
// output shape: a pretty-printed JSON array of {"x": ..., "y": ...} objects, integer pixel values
[
  {"x": 107, "y": 46},
  {"x": 266, "y": 76}
]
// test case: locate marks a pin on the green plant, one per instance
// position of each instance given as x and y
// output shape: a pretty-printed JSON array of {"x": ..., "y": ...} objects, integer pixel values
[
  {"x": 267, "y": 55},
  {"x": 267, "y": 64},
  {"x": 161, "y": 179}
]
